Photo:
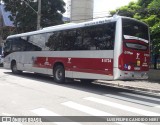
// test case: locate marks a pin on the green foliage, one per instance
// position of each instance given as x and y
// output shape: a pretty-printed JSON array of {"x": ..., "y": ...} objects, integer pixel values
[
  {"x": 154, "y": 4},
  {"x": 128, "y": 11},
  {"x": 156, "y": 28},
  {"x": 5, "y": 32},
  {"x": 151, "y": 20},
  {"x": 25, "y": 19},
  {"x": 144, "y": 3},
  {"x": 154, "y": 23}
]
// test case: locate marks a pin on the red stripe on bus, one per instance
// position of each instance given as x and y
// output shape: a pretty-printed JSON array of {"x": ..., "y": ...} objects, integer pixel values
[{"x": 87, "y": 65}]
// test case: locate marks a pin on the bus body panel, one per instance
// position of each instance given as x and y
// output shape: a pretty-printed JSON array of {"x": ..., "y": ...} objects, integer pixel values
[
  {"x": 88, "y": 64},
  {"x": 117, "y": 48}
]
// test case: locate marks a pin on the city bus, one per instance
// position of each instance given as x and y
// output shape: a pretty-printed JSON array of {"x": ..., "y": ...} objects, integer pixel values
[{"x": 111, "y": 48}]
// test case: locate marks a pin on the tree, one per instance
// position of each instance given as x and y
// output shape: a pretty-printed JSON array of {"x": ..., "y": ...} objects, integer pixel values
[
  {"x": 5, "y": 32},
  {"x": 128, "y": 10},
  {"x": 25, "y": 19},
  {"x": 153, "y": 20},
  {"x": 144, "y": 3}
]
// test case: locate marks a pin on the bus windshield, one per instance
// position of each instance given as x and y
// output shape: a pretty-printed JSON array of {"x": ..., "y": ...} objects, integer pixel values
[{"x": 135, "y": 29}]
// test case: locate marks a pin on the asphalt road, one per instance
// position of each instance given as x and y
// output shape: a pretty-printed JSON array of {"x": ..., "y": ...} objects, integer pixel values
[{"x": 30, "y": 94}]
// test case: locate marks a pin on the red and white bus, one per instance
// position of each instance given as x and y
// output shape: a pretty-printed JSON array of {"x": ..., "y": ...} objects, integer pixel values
[{"x": 109, "y": 49}]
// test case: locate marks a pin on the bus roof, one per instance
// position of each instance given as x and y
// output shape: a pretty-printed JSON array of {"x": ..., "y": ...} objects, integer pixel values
[
  {"x": 62, "y": 25},
  {"x": 69, "y": 26}
]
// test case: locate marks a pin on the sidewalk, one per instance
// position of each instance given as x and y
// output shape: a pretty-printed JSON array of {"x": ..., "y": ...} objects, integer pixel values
[
  {"x": 151, "y": 85},
  {"x": 138, "y": 85}
]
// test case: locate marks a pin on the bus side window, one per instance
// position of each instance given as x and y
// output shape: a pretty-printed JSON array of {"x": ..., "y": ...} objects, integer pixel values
[
  {"x": 58, "y": 43},
  {"x": 23, "y": 43},
  {"x": 79, "y": 40},
  {"x": 7, "y": 47},
  {"x": 69, "y": 37},
  {"x": 54, "y": 41},
  {"x": 39, "y": 41},
  {"x": 50, "y": 41},
  {"x": 18, "y": 44},
  {"x": 92, "y": 34},
  {"x": 104, "y": 37},
  {"x": 87, "y": 40},
  {"x": 32, "y": 45}
]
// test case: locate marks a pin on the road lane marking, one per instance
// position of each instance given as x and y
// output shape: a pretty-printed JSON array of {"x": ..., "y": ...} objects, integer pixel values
[
  {"x": 86, "y": 109},
  {"x": 94, "y": 112},
  {"x": 122, "y": 107},
  {"x": 141, "y": 96},
  {"x": 132, "y": 100},
  {"x": 45, "y": 112}
]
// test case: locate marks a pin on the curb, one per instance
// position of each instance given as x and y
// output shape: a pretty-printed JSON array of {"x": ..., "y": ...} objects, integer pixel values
[{"x": 129, "y": 87}]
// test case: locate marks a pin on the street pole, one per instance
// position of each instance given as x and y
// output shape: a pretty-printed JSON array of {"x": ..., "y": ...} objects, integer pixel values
[{"x": 39, "y": 15}]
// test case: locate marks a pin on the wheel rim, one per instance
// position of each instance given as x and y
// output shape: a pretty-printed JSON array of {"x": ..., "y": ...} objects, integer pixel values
[{"x": 59, "y": 74}]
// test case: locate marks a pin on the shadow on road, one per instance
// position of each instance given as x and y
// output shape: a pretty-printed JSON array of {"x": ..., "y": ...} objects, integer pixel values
[
  {"x": 76, "y": 84},
  {"x": 94, "y": 87}
]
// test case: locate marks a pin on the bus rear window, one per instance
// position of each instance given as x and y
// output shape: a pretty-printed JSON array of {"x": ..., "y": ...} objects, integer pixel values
[
  {"x": 135, "y": 29},
  {"x": 136, "y": 46}
]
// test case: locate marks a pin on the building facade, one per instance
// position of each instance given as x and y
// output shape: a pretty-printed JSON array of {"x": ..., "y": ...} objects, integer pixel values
[
  {"x": 6, "y": 25},
  {"x": 80, "y": 10}
]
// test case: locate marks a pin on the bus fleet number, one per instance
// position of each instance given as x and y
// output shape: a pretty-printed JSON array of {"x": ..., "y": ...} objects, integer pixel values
[{"x": 106, "y": 60}]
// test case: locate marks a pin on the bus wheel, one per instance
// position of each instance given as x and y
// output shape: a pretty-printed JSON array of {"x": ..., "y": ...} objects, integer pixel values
[
  {"x": 14, "y": 68},
  {"x": 59, "y": 74}
]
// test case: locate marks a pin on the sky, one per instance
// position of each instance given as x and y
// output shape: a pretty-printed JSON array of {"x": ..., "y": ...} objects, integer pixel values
[{"x": 102, "y": 7}]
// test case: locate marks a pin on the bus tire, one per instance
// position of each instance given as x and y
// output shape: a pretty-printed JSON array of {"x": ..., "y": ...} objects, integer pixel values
[
  {"x": 59, "y": 74},
  {"x": 14, "y": 68}
]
